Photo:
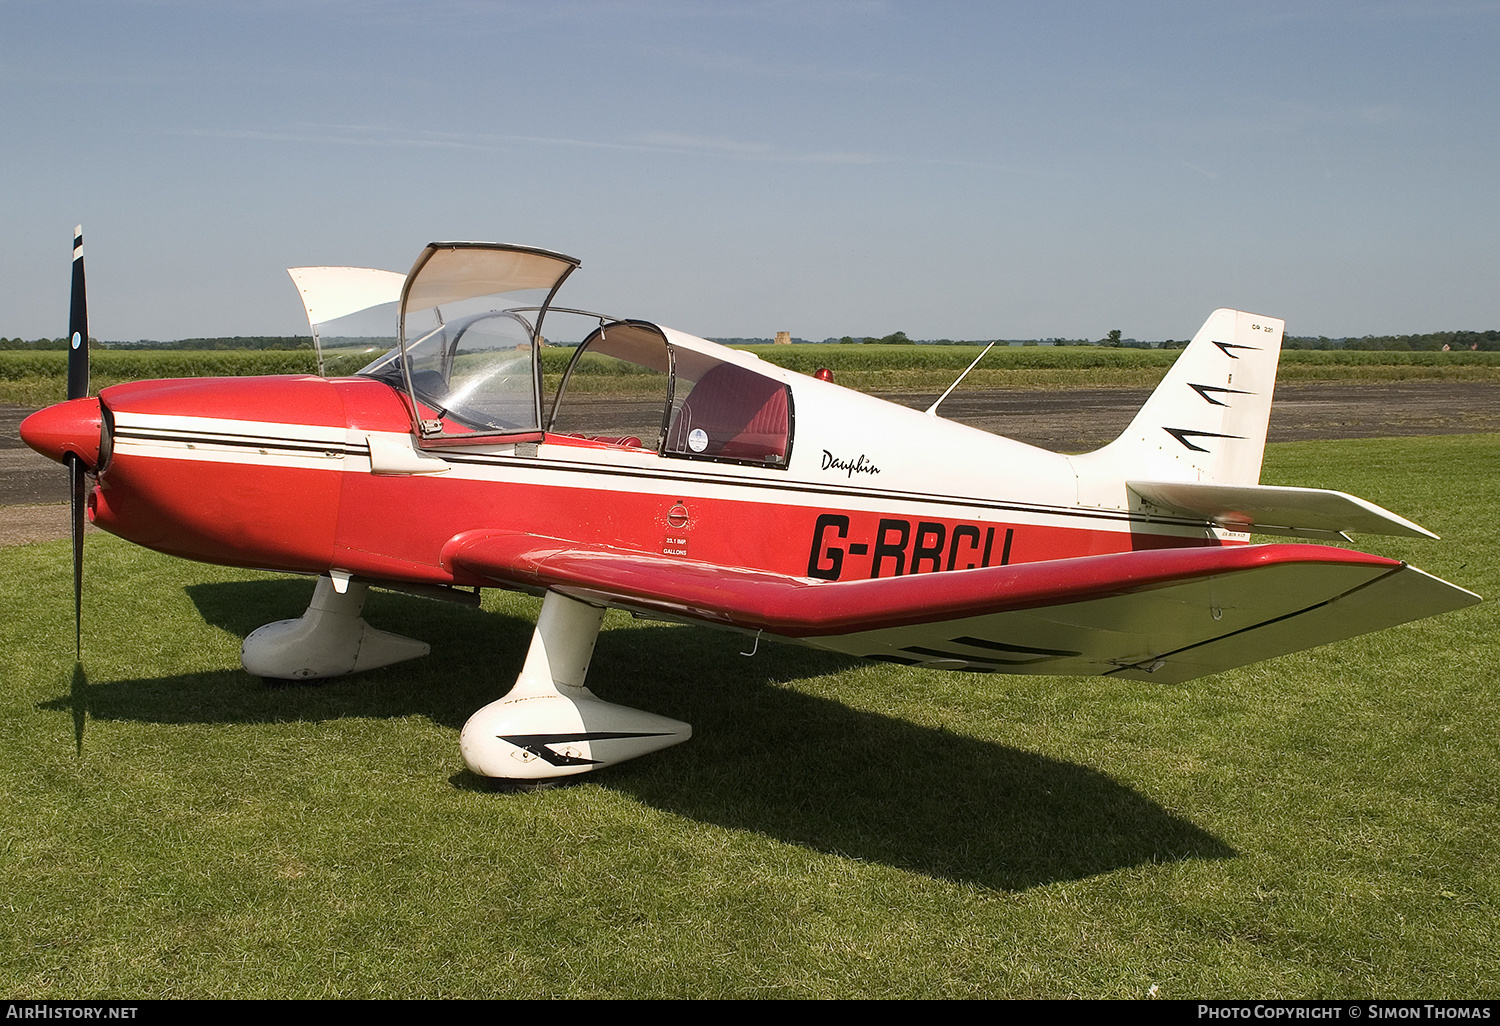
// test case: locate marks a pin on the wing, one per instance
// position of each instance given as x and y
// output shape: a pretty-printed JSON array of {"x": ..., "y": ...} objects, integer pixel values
[{"x": 1167, "y": 615}]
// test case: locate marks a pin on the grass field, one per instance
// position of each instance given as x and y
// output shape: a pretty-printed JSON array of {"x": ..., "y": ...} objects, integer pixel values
[{"x": 1319, "y": 825}]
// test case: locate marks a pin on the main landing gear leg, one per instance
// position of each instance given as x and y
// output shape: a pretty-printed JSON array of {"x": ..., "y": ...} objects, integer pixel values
[
  {"x": 328, "y": 640},
  {"x": 550, "y": 725}
]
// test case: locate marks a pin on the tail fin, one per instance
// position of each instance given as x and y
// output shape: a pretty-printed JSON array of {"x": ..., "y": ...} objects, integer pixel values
[{"x": 1207, "y": 419}]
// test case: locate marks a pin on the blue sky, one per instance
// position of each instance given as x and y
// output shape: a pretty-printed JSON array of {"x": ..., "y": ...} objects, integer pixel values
[{"x": 964, "y": 170}]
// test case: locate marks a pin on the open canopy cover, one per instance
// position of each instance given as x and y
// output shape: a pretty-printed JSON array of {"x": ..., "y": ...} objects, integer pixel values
[
  {"x": 474, "y": 362},
  {"x": 329, "y": 293},
  {"x": 449, "y": 272}
]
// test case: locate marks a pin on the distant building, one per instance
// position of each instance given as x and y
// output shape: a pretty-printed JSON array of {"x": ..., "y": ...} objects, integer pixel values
[{"x": 783, "y": 338}]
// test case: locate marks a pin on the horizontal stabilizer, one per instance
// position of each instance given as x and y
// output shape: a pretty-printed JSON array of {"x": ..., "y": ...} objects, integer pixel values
[{"x": 1268, "y": 509}]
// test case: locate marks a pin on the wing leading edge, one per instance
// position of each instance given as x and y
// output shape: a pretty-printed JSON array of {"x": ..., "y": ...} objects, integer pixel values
[{"x": 1165, "y": 615}]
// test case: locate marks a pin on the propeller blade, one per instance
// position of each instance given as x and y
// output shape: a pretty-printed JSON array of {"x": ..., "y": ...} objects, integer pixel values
[
  {"x": 78, "y": 387},
  {"x": 75, "y": 479},
  {"x": 78, "y": 326}
]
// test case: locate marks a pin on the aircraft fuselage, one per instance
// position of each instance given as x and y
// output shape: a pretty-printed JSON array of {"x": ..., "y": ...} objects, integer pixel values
[{"x": 278, "y": 473}]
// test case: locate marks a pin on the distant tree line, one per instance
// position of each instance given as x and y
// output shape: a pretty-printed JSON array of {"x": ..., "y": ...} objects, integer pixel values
[
  {"x": 756, "y": 341},
  {"x": 39, "y": 345},
  {"x": 1484, "y": 341},
  {"x": 237, "y": 342},
  {"x": 197, "y": 344},
  {"x": 899, "y": 338}
]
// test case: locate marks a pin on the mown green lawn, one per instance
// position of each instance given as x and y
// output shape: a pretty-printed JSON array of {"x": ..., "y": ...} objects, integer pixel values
[{"x": 1319, "y": 825}]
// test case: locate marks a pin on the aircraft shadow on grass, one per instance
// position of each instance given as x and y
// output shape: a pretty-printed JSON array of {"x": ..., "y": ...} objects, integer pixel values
[{"x": 765, "y": 758}]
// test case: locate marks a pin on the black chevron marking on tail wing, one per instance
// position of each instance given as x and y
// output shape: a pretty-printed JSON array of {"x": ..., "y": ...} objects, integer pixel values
[
  {"x": 1227, "y": 346},
  {"x": 1203, "y": 390},
  {"x": 1181, "y": 435}
]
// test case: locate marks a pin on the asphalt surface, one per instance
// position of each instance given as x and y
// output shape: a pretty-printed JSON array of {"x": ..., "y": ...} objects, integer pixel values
[{"x": 1077, "y": 420}]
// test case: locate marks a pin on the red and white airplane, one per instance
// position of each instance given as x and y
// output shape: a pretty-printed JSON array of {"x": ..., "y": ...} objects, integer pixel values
[{"x": 722, "y": 491}]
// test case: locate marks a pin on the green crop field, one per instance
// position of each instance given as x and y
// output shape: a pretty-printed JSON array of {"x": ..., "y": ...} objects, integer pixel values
[
  {"x": 39, "y": 378},
  {"x": 1318, "y": 825}
]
